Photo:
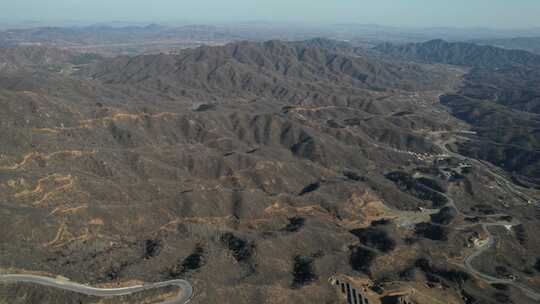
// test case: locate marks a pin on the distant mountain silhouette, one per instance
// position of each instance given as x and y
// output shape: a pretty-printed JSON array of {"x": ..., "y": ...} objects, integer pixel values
[
  {"x": 31, "y": 57},
  {"x": 531, "y": 44}
]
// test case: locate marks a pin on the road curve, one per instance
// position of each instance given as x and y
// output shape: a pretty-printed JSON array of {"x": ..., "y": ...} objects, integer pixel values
[
  {"x": 490, "y": 279},
  {"x": 491, "y": 239},
  {"x": 184, "y": 296}
]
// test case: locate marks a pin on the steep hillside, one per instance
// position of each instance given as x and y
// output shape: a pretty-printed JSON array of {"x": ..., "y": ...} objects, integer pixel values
[
  {"x": 514, "y": 87},
  {"x": 460, "y": 53},
  {"x": 286, "y": 71},
  {"x": 501, "y": 90},
  {"x": 513, "y": 144}
]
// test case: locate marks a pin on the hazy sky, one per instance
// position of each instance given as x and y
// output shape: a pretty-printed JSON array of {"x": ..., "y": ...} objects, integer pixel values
[{"x": 422, "y": 13}]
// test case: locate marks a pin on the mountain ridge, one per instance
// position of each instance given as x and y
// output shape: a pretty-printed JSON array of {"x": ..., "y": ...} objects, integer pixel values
[
  {"x": 265, "y": 68},
  {"x": 460, "y": 53}
]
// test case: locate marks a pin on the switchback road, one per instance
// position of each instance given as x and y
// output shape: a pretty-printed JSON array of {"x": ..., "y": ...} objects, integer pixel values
[{"x": 184, "y": 295}]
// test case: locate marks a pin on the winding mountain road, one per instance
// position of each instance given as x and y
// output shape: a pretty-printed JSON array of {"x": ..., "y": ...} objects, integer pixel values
[
  {"x": 490, "y": 279},
  {"x": 184, "y": 296},
  {"x": 442, "y": 144}
]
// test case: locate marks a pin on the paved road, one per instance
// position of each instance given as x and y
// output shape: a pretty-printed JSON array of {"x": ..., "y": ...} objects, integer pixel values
[
  {"x": 491, "y": 238},
  {"x": 480, "y": 251},
  {"x": 490, "y": 279},
  {"x": 184, "y": 296},
  {"x": 496, "y": 172}
]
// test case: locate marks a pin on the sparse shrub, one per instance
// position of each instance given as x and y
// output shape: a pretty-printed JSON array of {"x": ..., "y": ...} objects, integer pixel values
[
  {"x": 381, "y": 222},
  {"x": 201, "y": 107},
  {"x": 375, "y": 238},
  {"x": 318, "y": 254},
  {"x": 241, "y": 249},
  {"x": 502, "y": 271},
  {"x": 430, "y": 231},
  {"x": 468, "y": 298},
  {"x": 192, "y": 262},
  {"x": 306, "y": 148},
  {"x": 120, "y": 135},
  {"x": 354, "y": 176},
  {"x": 410, "y": 241},
  {"x": 434, "y": 273},
  {"x": 361, "y": 259},
  {"x": 113, "y": 273},
  {"x": 431, "y": 183},
  {"x": 377, "y": 288},
  {"x": 466, "y": 170},
  {"x": 408, "y": 184},
  {"x": 528, "y": 271},
  {"x": 407, "y": 274},
  {"x": 503, "y": 298},
  {"x": 432, "y": 278},
  {"x": 505, "y": 218},
  {"x": 521, "y": 236},
  {"x": 502, "y": 287},
  {"x": 152, "y": 248},
  {"x": 484, "y": 209},
  {"x": 474, "y": 219},
  {"x": 353, "y": 121},
  {"x": 310, "y": 188},
  {"x": 456, "y": 177},
  {"x": 333, "y": 124},
  {"x": 445, "y": 216},
  {"x": 455, "y": 276},
  {"x": 295, "y": 223},
  {"x": 303, "y": 272}
]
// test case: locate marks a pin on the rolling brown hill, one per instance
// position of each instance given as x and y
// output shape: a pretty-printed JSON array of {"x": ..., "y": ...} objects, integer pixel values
[
  {"x": 256, "y": 171},
  {"x": 272, "y": 68}
]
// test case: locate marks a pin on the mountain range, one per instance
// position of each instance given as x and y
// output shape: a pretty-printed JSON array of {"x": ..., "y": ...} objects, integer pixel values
[{"x": 257, "y": 171}]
